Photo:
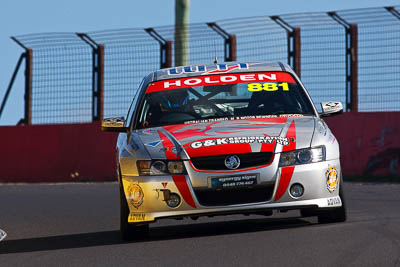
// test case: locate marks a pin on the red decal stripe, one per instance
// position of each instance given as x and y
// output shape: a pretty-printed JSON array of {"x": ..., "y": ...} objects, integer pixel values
[
  {"x": 291, "y": 134},
  {"x": 181, "y": 184},
  {"x": 286, "y": 175},
  {"x": 179, "y": 180},
  {"x": 168, "y": 145},
  {"x": 287, "y": 172},
  {"x": 265, "y": 147},
  {"x": 174, "y": 130}
]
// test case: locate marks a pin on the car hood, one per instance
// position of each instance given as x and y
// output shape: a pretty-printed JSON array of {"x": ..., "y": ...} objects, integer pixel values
[{"x": 228, "y": 136}]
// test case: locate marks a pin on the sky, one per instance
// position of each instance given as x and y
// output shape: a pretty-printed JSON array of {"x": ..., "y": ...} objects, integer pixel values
[{"x": 19, "y": 17}]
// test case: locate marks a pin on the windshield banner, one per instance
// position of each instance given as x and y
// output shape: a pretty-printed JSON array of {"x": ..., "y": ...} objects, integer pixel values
[{"x": 271, "y": 77}]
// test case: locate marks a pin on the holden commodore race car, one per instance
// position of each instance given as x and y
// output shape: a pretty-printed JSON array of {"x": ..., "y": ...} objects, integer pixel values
[{"x": 219, "y": 139}]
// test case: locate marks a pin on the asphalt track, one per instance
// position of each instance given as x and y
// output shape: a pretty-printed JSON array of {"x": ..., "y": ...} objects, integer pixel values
[{"x": 77, "y": 225}]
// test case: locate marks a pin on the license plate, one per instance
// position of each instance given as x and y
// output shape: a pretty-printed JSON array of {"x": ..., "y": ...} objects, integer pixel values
[{"x": 234, "y": 181}]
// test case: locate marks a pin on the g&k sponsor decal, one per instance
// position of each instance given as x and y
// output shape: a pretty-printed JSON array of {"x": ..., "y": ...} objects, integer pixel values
[
  {"x": 332, "y": 179},
  {"x": 135, "y": 195},
  {"x": 240, "y": 140}
]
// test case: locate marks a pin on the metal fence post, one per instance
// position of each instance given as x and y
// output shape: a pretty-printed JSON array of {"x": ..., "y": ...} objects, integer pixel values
[
  {"x": 167, "y": 55},
  {"x": 296, "y": 53},
  {"x": 28, "y": 55},
  {"x": 97, "y": 76},
  {"x": 28, "y": 86},
  {"x": 351, "y": 31},
  {"x": 100, "y": 81},
  {"x": 229, "y": 42},
  {"x": 165, "y": 48},
  {"x": 354, "y": 67},
  {"x": 14, "y": 75},
  {"x": 394, "y": 12},
  {"x": 294, "y": 44}
]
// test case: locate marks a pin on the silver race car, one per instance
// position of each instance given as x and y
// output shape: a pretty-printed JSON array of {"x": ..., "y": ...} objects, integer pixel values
[{"x": 232, "y": 138}]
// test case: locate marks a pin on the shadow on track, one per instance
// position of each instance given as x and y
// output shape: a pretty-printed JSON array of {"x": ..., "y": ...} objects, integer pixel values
[{"x": 156, "y": 234}]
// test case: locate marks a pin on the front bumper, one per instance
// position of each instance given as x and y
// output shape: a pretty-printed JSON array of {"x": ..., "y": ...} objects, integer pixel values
[{"x": 148, "y": 204}]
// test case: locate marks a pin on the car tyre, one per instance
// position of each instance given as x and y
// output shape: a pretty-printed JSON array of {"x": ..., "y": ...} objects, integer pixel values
[
  {"x": 130, "y": 231},
  {"x": 335, "y": 215}
]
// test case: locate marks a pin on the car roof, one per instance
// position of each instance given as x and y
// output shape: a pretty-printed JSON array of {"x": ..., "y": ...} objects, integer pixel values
[{"x": 219, "y": 68}]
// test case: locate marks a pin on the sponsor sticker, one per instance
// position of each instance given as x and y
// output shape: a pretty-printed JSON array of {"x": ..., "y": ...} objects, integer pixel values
[
  {"x": 172, "y": 150},
  {"x": 269, "y": 87},
  {"x": 246, "y": 118},
  {"x": 113, "y": 122},
  {"x": 3, "y": 235},
  {"x": 135, "y": 195},
  {"x": 220, "y": 68},
  {"x": 233, "y": 78},
  {"x": 234, "y": 181},
  {"x": 332, "y": 179},
  {"x": 240, "y": 140},
  {"x": 334, "y": 201},
  {"x": 137, "y": 217},
  {"x": 331, "y": 106},
  {"x": 154, "y": 144},
  {"x": 148, "y": 131}
]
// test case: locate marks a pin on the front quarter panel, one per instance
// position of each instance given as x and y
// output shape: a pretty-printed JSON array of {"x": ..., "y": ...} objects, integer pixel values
[
  {"x": 129, "y": 150},
  {"x": 324, "y": 137}
]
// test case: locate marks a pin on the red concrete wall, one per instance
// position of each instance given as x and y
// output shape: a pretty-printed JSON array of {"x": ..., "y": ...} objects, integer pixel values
[
  {"x": 369, "y": 142},
  {"x": 369, "y": 145},
  {"x": 56, "y": 153}
]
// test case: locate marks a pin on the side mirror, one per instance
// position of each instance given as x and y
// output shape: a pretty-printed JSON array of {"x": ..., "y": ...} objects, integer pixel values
[
  {"x": 331, "y": 108},
  {"x": 113, "y": 125}
]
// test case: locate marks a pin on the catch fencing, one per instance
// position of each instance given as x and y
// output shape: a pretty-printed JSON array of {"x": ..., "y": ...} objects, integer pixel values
[{"x": 351, "y": 56}]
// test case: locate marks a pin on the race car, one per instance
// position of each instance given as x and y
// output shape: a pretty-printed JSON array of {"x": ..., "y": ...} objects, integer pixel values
[{"x": 221, "y": 139}]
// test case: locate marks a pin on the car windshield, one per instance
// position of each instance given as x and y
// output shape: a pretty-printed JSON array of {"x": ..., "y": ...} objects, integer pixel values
[{"x": 211, "y": 97}]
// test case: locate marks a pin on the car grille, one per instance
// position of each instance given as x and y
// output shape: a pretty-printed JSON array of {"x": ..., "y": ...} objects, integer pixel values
[
  {"x": 247, "y": 160},
  {"x": 232, "y": 196}
]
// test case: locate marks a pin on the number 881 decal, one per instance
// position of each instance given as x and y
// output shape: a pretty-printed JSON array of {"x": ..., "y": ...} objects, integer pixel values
[{"x": 270, "y": 87}]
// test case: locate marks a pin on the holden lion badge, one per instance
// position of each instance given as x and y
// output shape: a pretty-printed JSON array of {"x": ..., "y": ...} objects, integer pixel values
[
  {"x": 135, "y": 195},
  {"x": 331, "y": 178},
  {"x": 232, "y": 162}
]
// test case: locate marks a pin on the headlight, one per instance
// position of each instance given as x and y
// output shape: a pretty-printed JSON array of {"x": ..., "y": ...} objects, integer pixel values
[
  {"x": 160, "y": 167},
  {"x": 176, "y": 167},
  {"x": 302, "y": 156},
  {"x": 144, "y": 167}
]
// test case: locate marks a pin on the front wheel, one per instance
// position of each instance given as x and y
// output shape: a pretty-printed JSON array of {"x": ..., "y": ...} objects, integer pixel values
[
  {"x": 129, "y": 231},
  {"x": 335, "y": 215}
]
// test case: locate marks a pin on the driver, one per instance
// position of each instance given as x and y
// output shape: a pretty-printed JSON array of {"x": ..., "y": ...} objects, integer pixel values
[
  {"x": 263, "y": 103},
  {"x": 175, "y": 100}
]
